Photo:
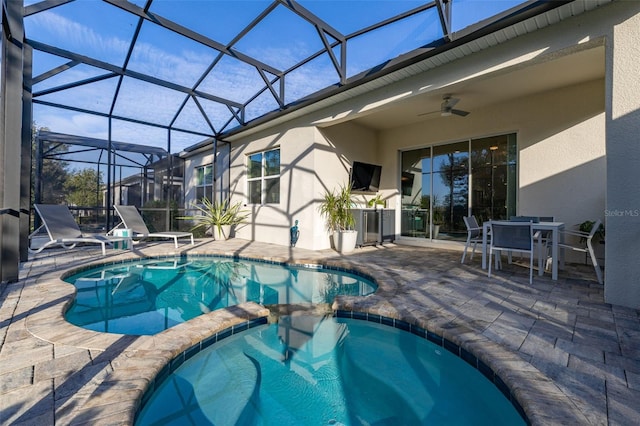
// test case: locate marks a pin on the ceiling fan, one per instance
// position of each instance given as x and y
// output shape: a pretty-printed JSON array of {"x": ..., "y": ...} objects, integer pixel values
[{"x": 446, "y": 108}]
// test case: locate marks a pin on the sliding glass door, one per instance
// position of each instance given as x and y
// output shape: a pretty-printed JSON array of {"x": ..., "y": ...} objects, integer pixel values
[
  {"x": 493, "y": 167},
  {"x": 436, "y": 184}
]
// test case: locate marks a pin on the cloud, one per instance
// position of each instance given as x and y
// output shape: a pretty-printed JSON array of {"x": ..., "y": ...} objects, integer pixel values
[
  {"x": 60, "y": 31},
  {"x": 168, "y": 57}
]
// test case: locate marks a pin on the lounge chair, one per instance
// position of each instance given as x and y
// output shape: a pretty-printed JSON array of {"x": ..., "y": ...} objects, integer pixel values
[
  {"x": 131, "y": 219},
  {"x": 64, "y": 231}
]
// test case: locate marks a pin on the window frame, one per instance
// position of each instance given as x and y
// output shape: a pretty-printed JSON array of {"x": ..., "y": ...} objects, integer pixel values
[
  {"x": 207, "y": 188},
  {"x": 263, "y": 179}
]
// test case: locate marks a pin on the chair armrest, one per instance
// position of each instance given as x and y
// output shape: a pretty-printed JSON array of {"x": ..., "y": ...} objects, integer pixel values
[{"x": 575, "y": 233}]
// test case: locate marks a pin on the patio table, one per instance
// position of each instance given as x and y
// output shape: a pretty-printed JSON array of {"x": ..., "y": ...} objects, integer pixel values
[{"x": 554, "y": 227}]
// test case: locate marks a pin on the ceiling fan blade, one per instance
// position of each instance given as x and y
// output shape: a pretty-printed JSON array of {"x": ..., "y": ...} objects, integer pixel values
[{"x": 459, "y": 112}]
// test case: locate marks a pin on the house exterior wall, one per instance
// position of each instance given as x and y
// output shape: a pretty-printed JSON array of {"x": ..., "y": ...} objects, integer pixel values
[
  {"x": 190, "y": 176},
  {"x": 561, "y": 150},
  {"x": 561, "y": 172},
  {"x": 221, "y": 178},
  {"x": 566, "y": 138},
  {"x": 622, "y": 274}
]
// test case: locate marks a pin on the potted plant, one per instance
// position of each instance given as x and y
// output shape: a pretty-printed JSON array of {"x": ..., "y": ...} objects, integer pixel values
[
  {"x": 587, "y": 226},
  {"x": 375, "y": 202},
  {"x": 598, "y": 239},
  {"x": 336, "y": 207},
  {"x": 428, "y": 202},
  {"x": 217, "y": 217}
]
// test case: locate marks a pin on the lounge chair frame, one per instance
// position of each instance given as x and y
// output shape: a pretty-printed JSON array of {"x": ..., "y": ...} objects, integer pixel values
[
  {"x": 131, "y": 219},
  {"x": 63, "y": 230}
]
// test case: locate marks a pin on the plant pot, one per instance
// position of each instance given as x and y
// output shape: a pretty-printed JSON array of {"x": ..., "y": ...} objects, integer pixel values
[
  {"x": 222, "y": 232},
  {"x": 435, "y": 231},
  {"x": 345, "y": 241}
]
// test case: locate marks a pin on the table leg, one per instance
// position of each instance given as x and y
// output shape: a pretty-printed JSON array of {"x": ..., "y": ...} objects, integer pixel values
[{"x": 554, "y": 254}]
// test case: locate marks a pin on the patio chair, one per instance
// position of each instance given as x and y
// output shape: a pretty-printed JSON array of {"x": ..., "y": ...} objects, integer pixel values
[
  {"x": 63, "y": 230},
  {"x": 474, "y": 236},
  {"x": 131, "y": 219},
  {"x": 543, "y": 238},
  {"x": 584, "y": 245},
  {"x": 512, "y": 236}
]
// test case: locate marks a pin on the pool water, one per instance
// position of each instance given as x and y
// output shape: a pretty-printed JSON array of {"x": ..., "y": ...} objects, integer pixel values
[
  {"x": 148, "y": 296},
  {"x": 309, "y": 370}
]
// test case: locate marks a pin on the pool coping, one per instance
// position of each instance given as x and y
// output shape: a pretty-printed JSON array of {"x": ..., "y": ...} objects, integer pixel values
[{"x": 138, "y": 360}]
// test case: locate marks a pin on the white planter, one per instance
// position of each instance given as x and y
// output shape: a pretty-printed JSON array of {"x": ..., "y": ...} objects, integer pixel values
[
  {"x": 221, "y": 233},
  {"x": 435, "y": 231},
  {"x": 346, "y": 241}
]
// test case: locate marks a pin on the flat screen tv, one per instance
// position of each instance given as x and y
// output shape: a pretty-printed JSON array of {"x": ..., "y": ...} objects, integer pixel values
[{"x": 365, "y": 177}]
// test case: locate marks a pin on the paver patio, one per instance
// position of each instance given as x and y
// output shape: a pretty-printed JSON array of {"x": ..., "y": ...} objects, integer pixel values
[{"x": 568, "y": 357}]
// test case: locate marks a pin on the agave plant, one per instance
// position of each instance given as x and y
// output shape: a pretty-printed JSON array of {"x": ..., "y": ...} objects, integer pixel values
[
  {"x": 217, "y": 214},
  {"x": 336, "y": 207}
]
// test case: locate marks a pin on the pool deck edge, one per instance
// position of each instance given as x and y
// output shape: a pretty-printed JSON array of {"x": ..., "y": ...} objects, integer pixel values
[{"x": 55, "y": 373}]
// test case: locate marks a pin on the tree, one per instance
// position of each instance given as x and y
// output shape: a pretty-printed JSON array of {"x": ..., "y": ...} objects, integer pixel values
[
  {"x": 82, "y": 188},
  {"x": 53, "y": 174}
]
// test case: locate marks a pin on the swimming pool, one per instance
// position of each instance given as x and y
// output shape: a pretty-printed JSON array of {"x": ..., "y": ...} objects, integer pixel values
[
  {"x": 321, "y": 371},
  {"x": 151, "y": 295}
]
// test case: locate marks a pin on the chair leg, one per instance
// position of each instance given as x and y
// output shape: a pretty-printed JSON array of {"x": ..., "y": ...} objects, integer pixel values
[
  {"x": 466, "y": 246},
  {"x": 490, "y": 253},
  {"x": 474, "y": 250},
  {"x": 594, "y": 261},
  {"x": 531, "y": 256}
]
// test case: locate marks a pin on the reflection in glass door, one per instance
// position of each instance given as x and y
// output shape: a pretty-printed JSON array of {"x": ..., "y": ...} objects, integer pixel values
[
  {"x": 436, "y": 182},
  {"x": 415, "y": 188},
  {"x": 450, "y": 190},
  {"x": 493, "y": 166}
]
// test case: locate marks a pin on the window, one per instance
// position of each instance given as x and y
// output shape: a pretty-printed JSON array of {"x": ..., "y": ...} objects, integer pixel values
[
  {"x": 443, "y": 183},
  {"x": 204, "y": 183},
  {"x": 263, "y": 177}
]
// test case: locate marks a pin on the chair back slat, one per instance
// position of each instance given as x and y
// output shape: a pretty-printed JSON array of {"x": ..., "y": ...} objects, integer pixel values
[
  {"x": 473, "y": 228},
  {"x": 534, "y": 219},
  {"x": 132, "y": 219},
  {"x": 512, "y": 235},
  {"x": 58, "y": 221}
]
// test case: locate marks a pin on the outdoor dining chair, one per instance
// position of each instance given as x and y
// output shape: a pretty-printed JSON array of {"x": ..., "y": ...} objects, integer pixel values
[
  {"x": 512, "y": 236},
  {"x": 474, "y": 235},
  {"x": 584, "y": 245},
  {"x": 542, "y": 238}
]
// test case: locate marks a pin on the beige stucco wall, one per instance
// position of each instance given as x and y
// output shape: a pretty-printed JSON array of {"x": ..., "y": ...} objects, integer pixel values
[
  {"x": 561, "y": 160},
  {"x": 312, "y": 160},
  {"x": 622, "y": 275},
  {"x": 561, "y": 148},
  {"x": 190, "y": 177}
]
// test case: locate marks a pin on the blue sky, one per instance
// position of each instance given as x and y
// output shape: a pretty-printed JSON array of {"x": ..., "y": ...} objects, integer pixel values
[{"x": 282, "y": 39}]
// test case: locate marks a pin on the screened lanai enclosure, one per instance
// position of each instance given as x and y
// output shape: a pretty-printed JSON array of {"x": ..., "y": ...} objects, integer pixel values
[
  {"x": 90, "y": 175},
  {"x": 127, "y": 89}
]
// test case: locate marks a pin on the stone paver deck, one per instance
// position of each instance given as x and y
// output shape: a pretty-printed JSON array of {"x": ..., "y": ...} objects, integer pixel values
[{"x": 568, "y": 357}]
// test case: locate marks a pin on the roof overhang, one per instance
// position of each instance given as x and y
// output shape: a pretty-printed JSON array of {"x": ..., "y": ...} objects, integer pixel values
[{"x": 524, "y": 19}]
